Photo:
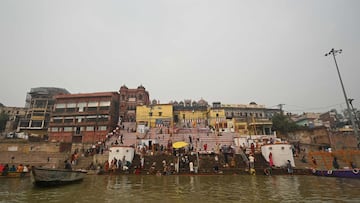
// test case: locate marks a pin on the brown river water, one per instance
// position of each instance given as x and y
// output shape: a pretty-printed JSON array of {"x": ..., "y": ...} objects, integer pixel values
[{"x": 207, "y": 188}]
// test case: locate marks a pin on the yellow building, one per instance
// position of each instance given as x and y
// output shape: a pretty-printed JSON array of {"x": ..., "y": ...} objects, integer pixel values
[
  {"x": 155, "y": 115},
  {"x": 241, "y": 127},
  {"x": 245, "y": 119},
  {"x": 192, "y": 117},
  {"x": 191, "y": 114},
  {"x": 217, "y": 118}
]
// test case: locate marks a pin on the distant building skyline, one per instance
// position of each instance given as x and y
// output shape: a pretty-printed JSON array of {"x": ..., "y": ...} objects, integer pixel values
[{"x": 147, "y": 94}]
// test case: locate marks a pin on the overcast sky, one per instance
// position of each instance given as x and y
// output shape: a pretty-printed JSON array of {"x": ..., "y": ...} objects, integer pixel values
[{"x": 235, "y": 52}]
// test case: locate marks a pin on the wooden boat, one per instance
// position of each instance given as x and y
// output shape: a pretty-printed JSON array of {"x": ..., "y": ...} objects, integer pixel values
[
  {"x": 13, "y": 174},
  {"x": 340, "y": 163},
  {"x": 53, "y": 177},
  {"x": 340, "y": 173}
]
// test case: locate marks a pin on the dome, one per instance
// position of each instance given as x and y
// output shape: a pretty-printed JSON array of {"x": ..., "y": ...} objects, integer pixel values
[{"x": 202, "y": 102}]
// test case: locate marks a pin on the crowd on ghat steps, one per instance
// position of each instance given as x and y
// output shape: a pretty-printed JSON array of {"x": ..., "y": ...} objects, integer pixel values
[{"x": 162, "y": 158}]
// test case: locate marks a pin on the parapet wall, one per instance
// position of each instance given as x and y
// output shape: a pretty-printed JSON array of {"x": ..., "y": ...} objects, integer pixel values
[{"x": 29, "y": 147}]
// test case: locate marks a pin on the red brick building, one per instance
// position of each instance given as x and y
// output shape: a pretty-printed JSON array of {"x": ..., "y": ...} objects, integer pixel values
[
  {"x": 84, "y": 118},
  {"x": 129, "y": 99}
]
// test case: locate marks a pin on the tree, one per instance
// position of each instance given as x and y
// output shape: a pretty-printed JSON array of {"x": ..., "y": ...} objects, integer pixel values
[
  {"x": 283, "y": 124},
  {"x": 3, "y": 119}
]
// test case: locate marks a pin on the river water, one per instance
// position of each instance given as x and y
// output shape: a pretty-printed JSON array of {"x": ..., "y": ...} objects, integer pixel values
[{"x": 208, "y": 188}]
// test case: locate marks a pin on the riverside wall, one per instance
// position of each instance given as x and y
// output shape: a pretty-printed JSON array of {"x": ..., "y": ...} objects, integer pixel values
[{"x": 48, "y": 154}]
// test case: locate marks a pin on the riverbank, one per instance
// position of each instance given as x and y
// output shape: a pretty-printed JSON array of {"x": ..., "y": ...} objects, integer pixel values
[{"x": 49, "y": 155}]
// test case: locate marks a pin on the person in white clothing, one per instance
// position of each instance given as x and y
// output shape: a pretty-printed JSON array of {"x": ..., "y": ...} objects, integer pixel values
[
  {"x": 252, "y": 161},
  {"x": 191, "y": 166}
]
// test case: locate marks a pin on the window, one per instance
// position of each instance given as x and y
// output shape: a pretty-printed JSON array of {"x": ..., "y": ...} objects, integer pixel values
[
  {"x": 104, "y": 108},
  {"x": 68, "y": 119},
  {"x": 71, "y": 109},
  {"x": 92, "y": 104},
  {"x": 91, "y": 108},
  {"x": 36, "y": 123},
  {"x": 104, "y": 103},
  {"x": 90, "y": 128},
  {"x": 103, "y": 118},
  {"x": 77, "y": 130},
  {"x": 57, "y": 119},
  {"x": 160, "y": 113},
  {"x": 54, "y": 129},
  {"x": 91, "y": 118},
  {"x": 24, "y": 124},
  {"x": 79, "y": 119},
  {"x": 102, "y": 128},
  {"x": 38, "y": 114},
  {"x": 71, "y": 105},
  {"x": 81, "y": 106},
  {"x": 68, "y": 129},
  {"x": 60, "y": 106},
  {"x": 60, "y": 110},
  {"x": 40, "y": 104}
]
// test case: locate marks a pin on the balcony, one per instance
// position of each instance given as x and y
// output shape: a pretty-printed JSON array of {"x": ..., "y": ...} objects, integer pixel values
[{"x": 38, "y": 118}]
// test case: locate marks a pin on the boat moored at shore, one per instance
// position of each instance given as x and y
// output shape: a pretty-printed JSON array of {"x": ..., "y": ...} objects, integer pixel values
[{"x": 54, "y": 177}]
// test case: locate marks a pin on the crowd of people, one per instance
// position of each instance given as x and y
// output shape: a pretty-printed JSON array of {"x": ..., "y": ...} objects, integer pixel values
[{"x": 5, "y": 169}]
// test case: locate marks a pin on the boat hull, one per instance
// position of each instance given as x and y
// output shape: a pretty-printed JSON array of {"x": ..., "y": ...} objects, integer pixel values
[
  {"x": 54, "y": 177},
  {"x": 15, "y": 175},
  {"x": 341, "y": 173}
]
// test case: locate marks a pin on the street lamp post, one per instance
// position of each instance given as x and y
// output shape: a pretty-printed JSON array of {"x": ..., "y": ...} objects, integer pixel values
[
  {"x": 352, "y": 107},
  {"x": 334, "y": 52}
]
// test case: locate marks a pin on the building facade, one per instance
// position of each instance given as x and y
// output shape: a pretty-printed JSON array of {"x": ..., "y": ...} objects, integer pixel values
[
  {"x": 129, "y": 99},
  {"x": 189, "y": 113},
  {"x": 15, "y": 114},
  {"x": 250, "y": 118},
  {"x": 157, "y": 115},
  {"x": 84, "y": 118},
  {"x": 39, "y": 104}
]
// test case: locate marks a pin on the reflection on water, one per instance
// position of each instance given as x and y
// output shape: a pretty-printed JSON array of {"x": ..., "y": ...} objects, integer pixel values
[{"x": 186, "y": 188}]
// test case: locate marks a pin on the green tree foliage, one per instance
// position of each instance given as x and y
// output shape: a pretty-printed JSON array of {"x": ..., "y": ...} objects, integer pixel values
[
  {"x": 283, "y": 124},
  {"x": 3, "y": 119}
]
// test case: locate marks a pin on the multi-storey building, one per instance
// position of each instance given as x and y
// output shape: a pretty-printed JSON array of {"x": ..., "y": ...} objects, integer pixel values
[
  {"x": 14, "y": 114},
  {"x": 308, "y": 119},
  {"x": 243, "y": 118},
  {"x": 39, "y": 104},
  {"x": 84, "y": 118},
  {"x": 191, "y": 113},
  {"x": 129, "y": 99},
  {"x": 330, "y": 119},
  {"x": 155, "y": 115}
]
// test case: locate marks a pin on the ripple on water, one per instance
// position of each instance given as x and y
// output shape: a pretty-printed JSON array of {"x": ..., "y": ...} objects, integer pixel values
[{"x": 187, "y": 188}]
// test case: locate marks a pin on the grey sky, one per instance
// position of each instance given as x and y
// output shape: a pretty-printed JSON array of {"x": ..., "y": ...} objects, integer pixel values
[{"x": 270, "y": 52}]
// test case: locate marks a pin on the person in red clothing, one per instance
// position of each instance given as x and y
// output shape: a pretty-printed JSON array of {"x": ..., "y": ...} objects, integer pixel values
[
  {"x": 1, "y": 168},
  {"x": 205, "y": 147},
  {"x": 271, "y": 161},
  {"x": 252, "y": 146},
  {"x": 106, "y": 166}
]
